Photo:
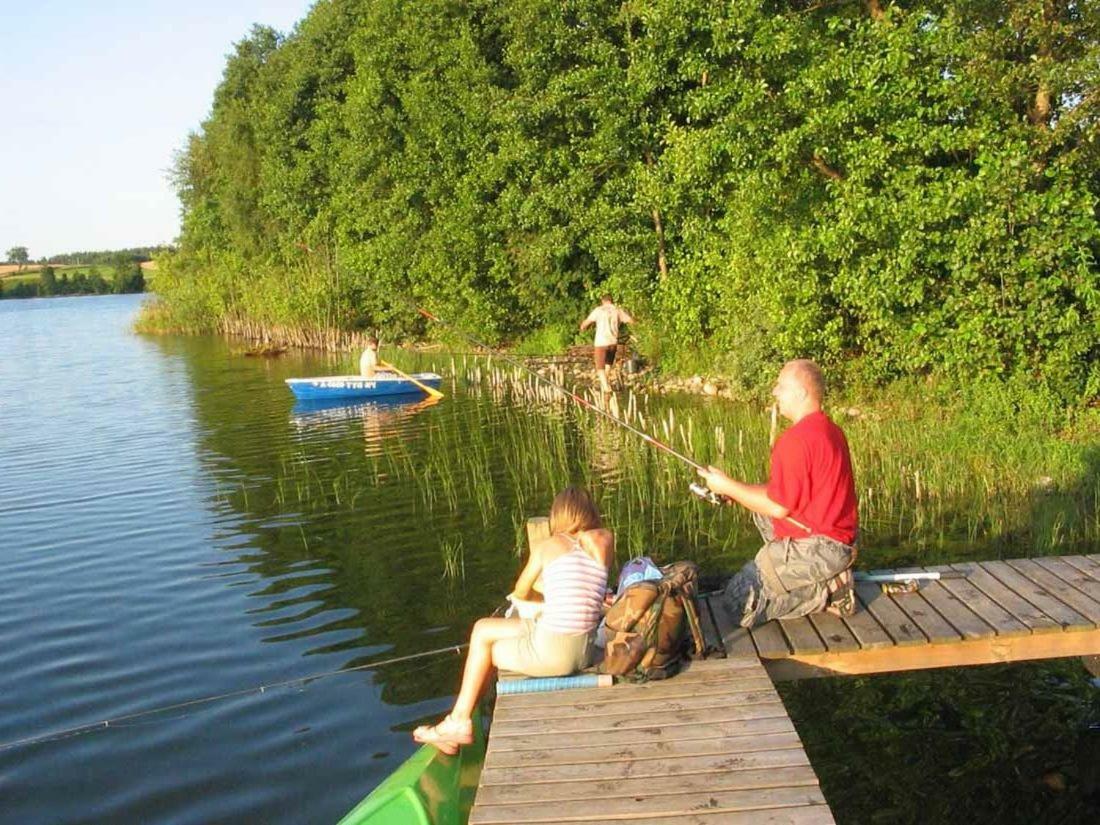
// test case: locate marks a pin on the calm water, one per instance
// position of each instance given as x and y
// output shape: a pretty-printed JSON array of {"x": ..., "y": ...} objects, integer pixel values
[
  {"x": 147, "y": 564},
  {"x": 174, "y": 528}
]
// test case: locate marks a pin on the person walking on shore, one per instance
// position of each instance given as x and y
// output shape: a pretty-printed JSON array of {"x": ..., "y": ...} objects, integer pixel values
[
  {"x": 806, "y": 513},
  {"x": 607, "y": 318}
]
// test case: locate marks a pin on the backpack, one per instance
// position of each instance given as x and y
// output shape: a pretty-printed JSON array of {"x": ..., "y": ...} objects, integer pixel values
[{"x": 652, "y": 624}]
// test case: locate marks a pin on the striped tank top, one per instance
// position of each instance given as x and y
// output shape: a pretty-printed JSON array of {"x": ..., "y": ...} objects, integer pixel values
[{"x": 573, "y": 585}]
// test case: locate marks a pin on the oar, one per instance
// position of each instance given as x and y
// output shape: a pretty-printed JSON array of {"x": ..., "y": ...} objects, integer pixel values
[{"x": 433, "y": 393}]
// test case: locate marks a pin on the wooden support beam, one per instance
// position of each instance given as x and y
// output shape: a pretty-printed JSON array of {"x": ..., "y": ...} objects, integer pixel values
[{"x": 995, "y": 650}]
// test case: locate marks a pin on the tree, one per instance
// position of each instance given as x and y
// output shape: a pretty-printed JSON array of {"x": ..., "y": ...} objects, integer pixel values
[
  {"x": 18, "y": 255},
  {"x": 47, "y": 281}
]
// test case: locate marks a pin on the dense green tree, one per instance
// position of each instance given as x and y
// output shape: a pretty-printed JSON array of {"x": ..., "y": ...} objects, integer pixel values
[
  {"x": 47, "y": 281},
  {"x": 893, "y": 188}
]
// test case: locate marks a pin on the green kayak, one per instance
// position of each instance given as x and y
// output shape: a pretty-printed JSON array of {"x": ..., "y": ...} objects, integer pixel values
[{"x": 427, "y": 789}]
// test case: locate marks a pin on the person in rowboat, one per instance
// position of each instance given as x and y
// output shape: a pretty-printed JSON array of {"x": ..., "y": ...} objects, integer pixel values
[
  {"x": 368, "y": 361},
  {"x": 607, "y": 318},
  {"x": 573, "y": 564},
  {"x": 806, "y": 513}
]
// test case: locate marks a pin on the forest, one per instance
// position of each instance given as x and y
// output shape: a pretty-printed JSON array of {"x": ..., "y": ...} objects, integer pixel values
[{"x": 898, "y": 189}]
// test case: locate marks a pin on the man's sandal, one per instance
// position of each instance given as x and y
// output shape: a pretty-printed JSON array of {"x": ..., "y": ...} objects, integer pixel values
[
  {"x": 447, "y": 736},
  {"x": 842, "y": 600}
]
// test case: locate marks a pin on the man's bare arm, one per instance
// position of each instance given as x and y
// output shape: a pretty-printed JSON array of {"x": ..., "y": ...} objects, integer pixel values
[{"x": 751, "y": 496}]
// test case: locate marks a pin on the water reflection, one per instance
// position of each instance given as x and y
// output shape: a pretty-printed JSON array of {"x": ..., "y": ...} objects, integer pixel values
[{"x": 194, "y": 531}]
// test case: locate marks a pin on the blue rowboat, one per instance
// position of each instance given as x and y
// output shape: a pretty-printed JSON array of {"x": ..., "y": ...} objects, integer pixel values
[{"x": 356, "y": 386}]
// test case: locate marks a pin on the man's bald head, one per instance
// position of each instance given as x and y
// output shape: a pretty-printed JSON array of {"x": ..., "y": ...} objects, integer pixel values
[
  {"x": 798, "y": 389},
  {"x": 809, "y": 377}
]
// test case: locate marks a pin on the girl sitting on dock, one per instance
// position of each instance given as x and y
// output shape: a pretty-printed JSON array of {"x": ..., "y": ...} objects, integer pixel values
[{"x": 573, "y": 564}]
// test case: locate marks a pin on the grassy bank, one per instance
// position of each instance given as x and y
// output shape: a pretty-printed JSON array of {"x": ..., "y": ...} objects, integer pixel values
[{"x": 939, "y": 479}]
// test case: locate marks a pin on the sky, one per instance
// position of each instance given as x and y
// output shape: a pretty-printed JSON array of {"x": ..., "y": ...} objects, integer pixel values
[{"x": 96, "y": 97}]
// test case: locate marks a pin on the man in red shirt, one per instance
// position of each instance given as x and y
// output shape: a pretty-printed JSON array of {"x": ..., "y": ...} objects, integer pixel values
[{"x": 806, "y": 512}]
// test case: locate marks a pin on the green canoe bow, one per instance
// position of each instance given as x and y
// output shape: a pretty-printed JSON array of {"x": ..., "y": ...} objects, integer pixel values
[{"x": 429, "y": 788}]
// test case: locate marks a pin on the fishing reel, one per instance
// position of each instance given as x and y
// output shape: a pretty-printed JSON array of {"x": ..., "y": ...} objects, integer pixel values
[{"x": 706, "y": 494}]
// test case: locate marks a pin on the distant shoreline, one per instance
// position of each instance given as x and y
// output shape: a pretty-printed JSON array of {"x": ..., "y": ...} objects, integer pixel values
[{"x": 8, "y": 270}]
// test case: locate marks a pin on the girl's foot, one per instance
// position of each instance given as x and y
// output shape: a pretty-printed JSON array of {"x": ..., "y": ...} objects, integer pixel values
[{"x": 446, "y": 736}]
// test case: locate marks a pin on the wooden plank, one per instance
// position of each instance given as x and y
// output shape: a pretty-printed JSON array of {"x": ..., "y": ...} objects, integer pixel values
[
  {"x": 801, "y": 636},
  {"x": 893, "y": 619},
  {"x": 931, "y": 623},
  {"x": 735, "y": 734},
  {"x": 967, "y": 623},
  {"x": 669, "y": 751},
  {"x": 655, "y": 736},
  {"x": 770, "y": 641},
  {"x": 596, "y": 712},
  {"x": 795, "y": 815},
  {"x": 1002, "y": 622},
  {"x": 1037, "y": 594},
  {"x": 737, "y": 640},
  {"x": 1074, "y": 578},
  {"x": 597, "y": 699},
  {"x": 1019, "y": 607},
  {"x": 585, "y": 698},
  {"x": 719, "y": 778},
  {"x": 631, "y": 807},
  {"x": 927, "y": 618},
  {"x": 867, "y": 631},
  {"x": 995, "y": 650},
  {"x": 635, "y": 769},
  {"x": 631, "y": 721},
  {"x": 1086, "y": 564},
  {"x": 834, "y": 633}
]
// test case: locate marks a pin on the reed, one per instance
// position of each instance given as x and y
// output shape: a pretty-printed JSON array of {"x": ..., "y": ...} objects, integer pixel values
[{"x": 930, "y": 488}]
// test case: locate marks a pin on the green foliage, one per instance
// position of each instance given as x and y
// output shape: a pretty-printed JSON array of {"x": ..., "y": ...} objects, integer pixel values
[
  {"x": 907, "y": 193},
  {"x": 47, "y": 281},
  {"x": 552, "y": 339}
]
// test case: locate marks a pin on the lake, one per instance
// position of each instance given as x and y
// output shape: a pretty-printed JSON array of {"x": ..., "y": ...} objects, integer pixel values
[{"x": 175, "y": 527}]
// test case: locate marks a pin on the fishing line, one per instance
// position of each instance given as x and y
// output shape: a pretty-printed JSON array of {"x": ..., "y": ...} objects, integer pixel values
[{"x": 118, "y": 721}]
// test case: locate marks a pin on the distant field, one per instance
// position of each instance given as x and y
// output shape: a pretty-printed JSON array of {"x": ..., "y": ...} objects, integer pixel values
[
  {"x": 11, "y": 271},
  {"x": 11, "y": 278}
]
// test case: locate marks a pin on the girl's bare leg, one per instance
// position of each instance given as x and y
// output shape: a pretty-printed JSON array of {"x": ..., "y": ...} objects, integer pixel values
[{"x": 479, "y": 661}]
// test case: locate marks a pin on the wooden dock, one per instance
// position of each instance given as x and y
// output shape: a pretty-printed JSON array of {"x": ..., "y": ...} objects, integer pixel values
[
  {"x": 715, "y": 744},
  {"x": 1002, "y": 611},
  {"x": 712, "y": 745}
]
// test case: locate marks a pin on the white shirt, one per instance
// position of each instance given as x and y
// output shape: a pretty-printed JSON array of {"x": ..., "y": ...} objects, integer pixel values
[
  {"x": 607, "y": 318},
  {"x": 368, "y": 362}
]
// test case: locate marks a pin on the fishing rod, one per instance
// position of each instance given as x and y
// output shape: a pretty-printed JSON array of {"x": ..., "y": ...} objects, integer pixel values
[
  {"x": 698, "y": 490},
  {"x": 906, "y": 577},
  {"x": 79, "y": 730}
]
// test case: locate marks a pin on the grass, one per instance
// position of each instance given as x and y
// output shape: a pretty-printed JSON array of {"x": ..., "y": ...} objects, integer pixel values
[{"x": 935, "y": 482}]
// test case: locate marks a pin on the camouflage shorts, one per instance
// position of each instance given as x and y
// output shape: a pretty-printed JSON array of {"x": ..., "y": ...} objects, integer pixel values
[{"x": 787, "y": 578}]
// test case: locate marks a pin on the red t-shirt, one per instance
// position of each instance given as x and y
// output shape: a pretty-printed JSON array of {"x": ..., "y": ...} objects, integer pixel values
[{"x": 811, "y": 475}]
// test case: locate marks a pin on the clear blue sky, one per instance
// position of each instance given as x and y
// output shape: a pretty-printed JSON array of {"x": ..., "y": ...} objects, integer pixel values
[{"x": 96, "y": 97}]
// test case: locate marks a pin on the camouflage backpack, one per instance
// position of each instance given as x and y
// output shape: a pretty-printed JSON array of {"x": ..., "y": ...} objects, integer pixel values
[{"x": 652, "y": 625}]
